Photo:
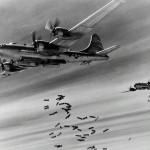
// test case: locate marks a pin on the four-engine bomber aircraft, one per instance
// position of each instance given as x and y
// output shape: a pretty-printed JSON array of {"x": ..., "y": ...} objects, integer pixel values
[
  {"x": 139, "y": 86},
  {"x": 17, "y": 57}
]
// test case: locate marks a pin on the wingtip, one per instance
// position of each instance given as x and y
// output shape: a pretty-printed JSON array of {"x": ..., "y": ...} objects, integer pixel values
[
  {"x": 121, "y": 1},
  {"x": 118, "y": 46}
]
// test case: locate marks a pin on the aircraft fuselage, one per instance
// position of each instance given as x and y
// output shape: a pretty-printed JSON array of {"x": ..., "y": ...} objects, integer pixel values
[
  {"x": 45, "y": 53},
  {"x": 142, "y": 86},
  {"x": 17, "y": 51}
]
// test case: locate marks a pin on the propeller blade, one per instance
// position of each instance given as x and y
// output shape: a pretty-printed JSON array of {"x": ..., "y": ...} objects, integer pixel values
[
  {"x": 1, "y": 65},
  {"x": 33, "y": 35},
  {"x": 57, "y": 23},
  {"x": 1, "y": 61},
  {"x": 49, "y": 25}
]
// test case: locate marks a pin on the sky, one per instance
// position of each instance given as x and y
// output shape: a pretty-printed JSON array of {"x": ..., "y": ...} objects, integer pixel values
[{"x": 94, "y": 90}]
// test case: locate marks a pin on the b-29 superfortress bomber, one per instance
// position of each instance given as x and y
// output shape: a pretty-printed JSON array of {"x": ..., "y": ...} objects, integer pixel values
[{"x": 16, "y": 57}]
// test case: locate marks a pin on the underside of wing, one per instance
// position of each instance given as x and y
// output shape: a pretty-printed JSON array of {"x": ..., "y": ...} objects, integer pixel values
[
  {"x": 87, "y": 24},
  {"x": 10, "y": 68},
  {"x": 5, "y": 74},
  {"x": 87, "y": 60},
  {"x": 73, "y": 53}
]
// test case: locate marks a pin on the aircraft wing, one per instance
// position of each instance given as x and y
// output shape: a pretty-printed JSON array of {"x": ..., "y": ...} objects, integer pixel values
[
  {"x": 5, "y": 74},
  {"x": 87, "y": 24}
]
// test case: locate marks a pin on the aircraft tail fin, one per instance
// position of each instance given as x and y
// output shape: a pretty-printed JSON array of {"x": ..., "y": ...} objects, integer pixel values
[{"x": 94, "y": 46}]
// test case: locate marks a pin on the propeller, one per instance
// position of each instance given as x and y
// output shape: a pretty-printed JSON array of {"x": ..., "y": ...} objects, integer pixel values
[
  {"x": 33, "y": 35},
  {"x": 51, "y": 27},
  {"x": 2, "y": 64},
  {"x": 34, "y": 38},
  {"x": 57, "y": 23}
]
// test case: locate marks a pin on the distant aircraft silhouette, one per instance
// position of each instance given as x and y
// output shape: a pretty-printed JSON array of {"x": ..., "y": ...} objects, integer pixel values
[{"x": 139, "y": 86}]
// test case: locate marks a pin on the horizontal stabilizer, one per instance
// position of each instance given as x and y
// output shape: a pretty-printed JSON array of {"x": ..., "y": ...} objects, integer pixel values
[{"x": 108, "y": 50}]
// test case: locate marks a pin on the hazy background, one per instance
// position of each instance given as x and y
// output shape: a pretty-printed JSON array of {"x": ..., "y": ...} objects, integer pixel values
[{"x": 92, "y": 90}]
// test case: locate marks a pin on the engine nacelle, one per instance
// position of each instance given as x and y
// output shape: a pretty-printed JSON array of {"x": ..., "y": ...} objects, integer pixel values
[
  {"x": 60, "y": 32},
  {"x": 10, "y": 67},
  {"x": 7, "y": 66}
]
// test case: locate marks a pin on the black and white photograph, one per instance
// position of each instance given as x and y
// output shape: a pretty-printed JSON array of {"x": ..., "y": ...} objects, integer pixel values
[{"x": 74, "y": 75}]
